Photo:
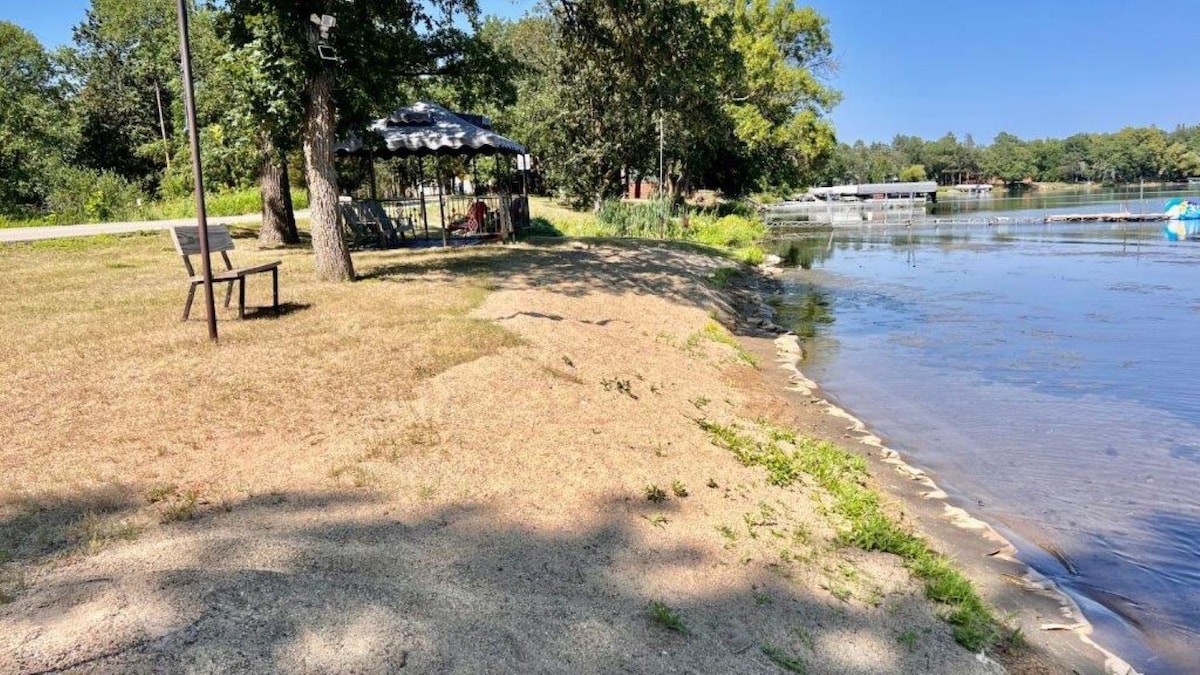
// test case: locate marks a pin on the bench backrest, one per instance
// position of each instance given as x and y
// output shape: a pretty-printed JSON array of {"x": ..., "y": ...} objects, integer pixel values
[{"x": 187, "y": 239}]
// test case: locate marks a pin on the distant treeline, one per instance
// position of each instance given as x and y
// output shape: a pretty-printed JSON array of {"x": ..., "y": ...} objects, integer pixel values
[{"x": 1127, "y": 156}]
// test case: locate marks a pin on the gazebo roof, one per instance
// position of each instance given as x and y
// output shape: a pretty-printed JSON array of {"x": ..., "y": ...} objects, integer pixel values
[{"x": 425, "y": 128}]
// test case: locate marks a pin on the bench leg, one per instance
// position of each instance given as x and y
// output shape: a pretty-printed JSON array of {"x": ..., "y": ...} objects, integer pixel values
[
  {"x": 275, "y": 288},
  {"x": 187, "y": 306},
  {"x": 241, "y": 297},
  {"x": 228, "y": 293}
]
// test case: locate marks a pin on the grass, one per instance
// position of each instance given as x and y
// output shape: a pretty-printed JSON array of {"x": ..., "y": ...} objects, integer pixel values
[
  {"x": 655, "y": 494},
  {"x": 723, "y": 276},
  {"x": 867, "y": 525},
  {"x": 679, "y": 489},
  {"x": 110, "y": 388},
  {"x": 666, "y": 617},
  {"x": 715, "y": 332},
  {"x": 736, "y": 236},
  {"x": 791, "y": 664}
]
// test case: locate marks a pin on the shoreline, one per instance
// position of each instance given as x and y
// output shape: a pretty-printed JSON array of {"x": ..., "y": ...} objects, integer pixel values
[{"x": 1044, "y": 610}]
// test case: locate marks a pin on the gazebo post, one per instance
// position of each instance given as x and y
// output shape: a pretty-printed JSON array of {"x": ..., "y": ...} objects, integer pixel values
[
  {"x": 506, "y": 226},
  {"x": 442, "y": 203},
  {"x": 421, "y": 194},
  {"x": 371, "y": 170}
]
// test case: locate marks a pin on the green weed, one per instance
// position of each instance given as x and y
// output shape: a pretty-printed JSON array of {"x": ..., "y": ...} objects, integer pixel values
[
  {"x": 790, "y": 663},
  {"x": 723, "y": 276},
  {"x": 715, "y": 332},
  {"x": 657, "y": 520},
  {"x": 666, "y": 617},
  {"x": 679, "y": 489},
  {"x": 655, "y": 494},
  {"x": 179, "y": 507},
  {"x": 908, "y": 638},
  {"x": 869, "y": 527},
  {"x": 158, "y": 493}
]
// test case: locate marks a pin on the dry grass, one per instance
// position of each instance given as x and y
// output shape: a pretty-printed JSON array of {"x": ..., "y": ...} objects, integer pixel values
[
  {"x": 103, "y": 388},
  {"x": 476, "y": 460}
]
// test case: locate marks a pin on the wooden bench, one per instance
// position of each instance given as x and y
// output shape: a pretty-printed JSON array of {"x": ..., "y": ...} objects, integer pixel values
[{"x": 187, "y": 243}]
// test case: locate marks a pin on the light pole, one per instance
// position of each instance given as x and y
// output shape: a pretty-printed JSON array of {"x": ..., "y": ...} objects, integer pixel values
[{"x": 189, "y": 105}]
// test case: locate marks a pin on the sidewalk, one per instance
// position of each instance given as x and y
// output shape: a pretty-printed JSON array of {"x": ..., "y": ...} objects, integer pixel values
[{"x": 15, "y": 234}]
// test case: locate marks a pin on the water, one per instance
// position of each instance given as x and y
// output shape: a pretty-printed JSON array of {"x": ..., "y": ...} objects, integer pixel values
[{"x": 1049, "y": 376}]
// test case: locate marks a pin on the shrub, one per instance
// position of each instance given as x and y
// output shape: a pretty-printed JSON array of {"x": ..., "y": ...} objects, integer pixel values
[
  {"x": 658, "y": 219},
  {"x": 731, "y": 231},
  {"x": 88, "y": 196}
]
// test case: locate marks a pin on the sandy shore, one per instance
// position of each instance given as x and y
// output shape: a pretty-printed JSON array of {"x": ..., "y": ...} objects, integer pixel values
[{"x": 550, "y": 506}]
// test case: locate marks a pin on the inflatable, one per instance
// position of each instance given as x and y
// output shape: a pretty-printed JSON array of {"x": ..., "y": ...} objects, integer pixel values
[
  {"x": 1184, "y": 219},
  {"x": 1182, "y": 209}
]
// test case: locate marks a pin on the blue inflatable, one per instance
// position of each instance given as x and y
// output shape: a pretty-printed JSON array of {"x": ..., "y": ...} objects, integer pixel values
[
  {"x": 1182, "y": 209},
  {"x": 1184, "y": 219}
]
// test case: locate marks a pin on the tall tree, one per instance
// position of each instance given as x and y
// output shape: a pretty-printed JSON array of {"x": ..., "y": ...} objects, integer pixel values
[
  {"x": 380, "y": 44},
  {"x": 31, "y": 120},
  {"x": 779, "y": 102}
]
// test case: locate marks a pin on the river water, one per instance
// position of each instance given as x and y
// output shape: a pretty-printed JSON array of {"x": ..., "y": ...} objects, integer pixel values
[{"x": 1048, "y": 376}]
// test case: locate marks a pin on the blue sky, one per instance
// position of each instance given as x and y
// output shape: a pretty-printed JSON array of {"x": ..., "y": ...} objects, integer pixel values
[{"x": 1035, "y": 68}]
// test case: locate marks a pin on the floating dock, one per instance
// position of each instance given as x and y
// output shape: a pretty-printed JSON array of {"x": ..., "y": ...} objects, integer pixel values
[{"x": 1122, "y": 217}]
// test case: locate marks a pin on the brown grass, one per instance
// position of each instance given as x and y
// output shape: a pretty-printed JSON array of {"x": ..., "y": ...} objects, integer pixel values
[
  {"x": 102, "y": 387},
  {"x": 445, "y": 465}
]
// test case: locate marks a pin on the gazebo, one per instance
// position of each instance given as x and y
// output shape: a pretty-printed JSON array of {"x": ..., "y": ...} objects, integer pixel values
[{"x": 424, "y": 130}]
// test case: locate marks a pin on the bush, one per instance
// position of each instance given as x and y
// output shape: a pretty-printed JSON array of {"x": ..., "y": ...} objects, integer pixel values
[
  {"x": 656, "y": 219},
  {"x": 88, "y": 196},
  {"x": 727, "y": 232}
]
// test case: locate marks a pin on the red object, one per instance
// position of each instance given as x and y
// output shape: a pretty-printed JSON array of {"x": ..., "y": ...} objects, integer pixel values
[{"x": 476, "y": 216}]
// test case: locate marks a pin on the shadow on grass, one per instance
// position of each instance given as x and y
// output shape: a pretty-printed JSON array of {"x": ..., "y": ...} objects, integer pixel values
[
  {"x": 284, "y": 309},
  {"x": 585, "y": 267},
  {"x": 296, "y": 581}
]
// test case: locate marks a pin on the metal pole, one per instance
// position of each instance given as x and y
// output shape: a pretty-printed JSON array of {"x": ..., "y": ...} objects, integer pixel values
[
  {"x": 189, "y": 105},
  {"x": 421, "y": 194},
  {"x": 661, "y": 139},
  {"x": 442, "y": 205}
]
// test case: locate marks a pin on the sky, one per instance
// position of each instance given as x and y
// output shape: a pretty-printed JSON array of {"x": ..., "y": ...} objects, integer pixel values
[{"x": 1035, "y": 68}]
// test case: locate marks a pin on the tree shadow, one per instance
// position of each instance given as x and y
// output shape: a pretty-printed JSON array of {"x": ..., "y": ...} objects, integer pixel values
[
  {"x": 575, "y": 268},
  {"x": 342, "y": 582}
]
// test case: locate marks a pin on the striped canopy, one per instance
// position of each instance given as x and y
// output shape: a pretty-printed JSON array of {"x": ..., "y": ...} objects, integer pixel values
[{"x": 425, "y": 128}]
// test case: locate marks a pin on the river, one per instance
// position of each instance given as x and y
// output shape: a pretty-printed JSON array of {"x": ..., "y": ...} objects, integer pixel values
[{"x": 1048, "y": 376}]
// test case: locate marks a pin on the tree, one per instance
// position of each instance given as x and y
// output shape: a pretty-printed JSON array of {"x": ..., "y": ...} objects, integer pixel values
[
  {"x": 913, "y": 173},
  {"x": 779, "y": 102},
  {"x": 623, "y": 67},
  {"x": 31, "y": 120},
  {"x": 1009, "y": 159},
  {"x": 381, "y": 44}
]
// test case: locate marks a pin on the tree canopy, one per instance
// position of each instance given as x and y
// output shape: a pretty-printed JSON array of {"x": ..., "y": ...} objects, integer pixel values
[{"x": 1128, "y": 155}]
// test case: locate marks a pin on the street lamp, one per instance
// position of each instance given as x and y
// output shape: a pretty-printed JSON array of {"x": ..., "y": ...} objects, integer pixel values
[{"x": 189, "y": 105}]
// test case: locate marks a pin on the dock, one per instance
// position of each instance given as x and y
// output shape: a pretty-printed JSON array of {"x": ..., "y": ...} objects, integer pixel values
[
  {"x": 795, "y": 216},
  {"x": 1122, "y": 217}
]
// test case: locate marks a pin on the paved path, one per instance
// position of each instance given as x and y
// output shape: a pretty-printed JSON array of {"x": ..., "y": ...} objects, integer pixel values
[{"x": 12, "y": 234}]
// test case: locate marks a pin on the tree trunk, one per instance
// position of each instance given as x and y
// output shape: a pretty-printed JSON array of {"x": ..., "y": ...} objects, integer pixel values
[
  {"x": 332, "y": 257},
  {"x": 289, "y": 209},
  {"x": 279, "y": 223}
]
